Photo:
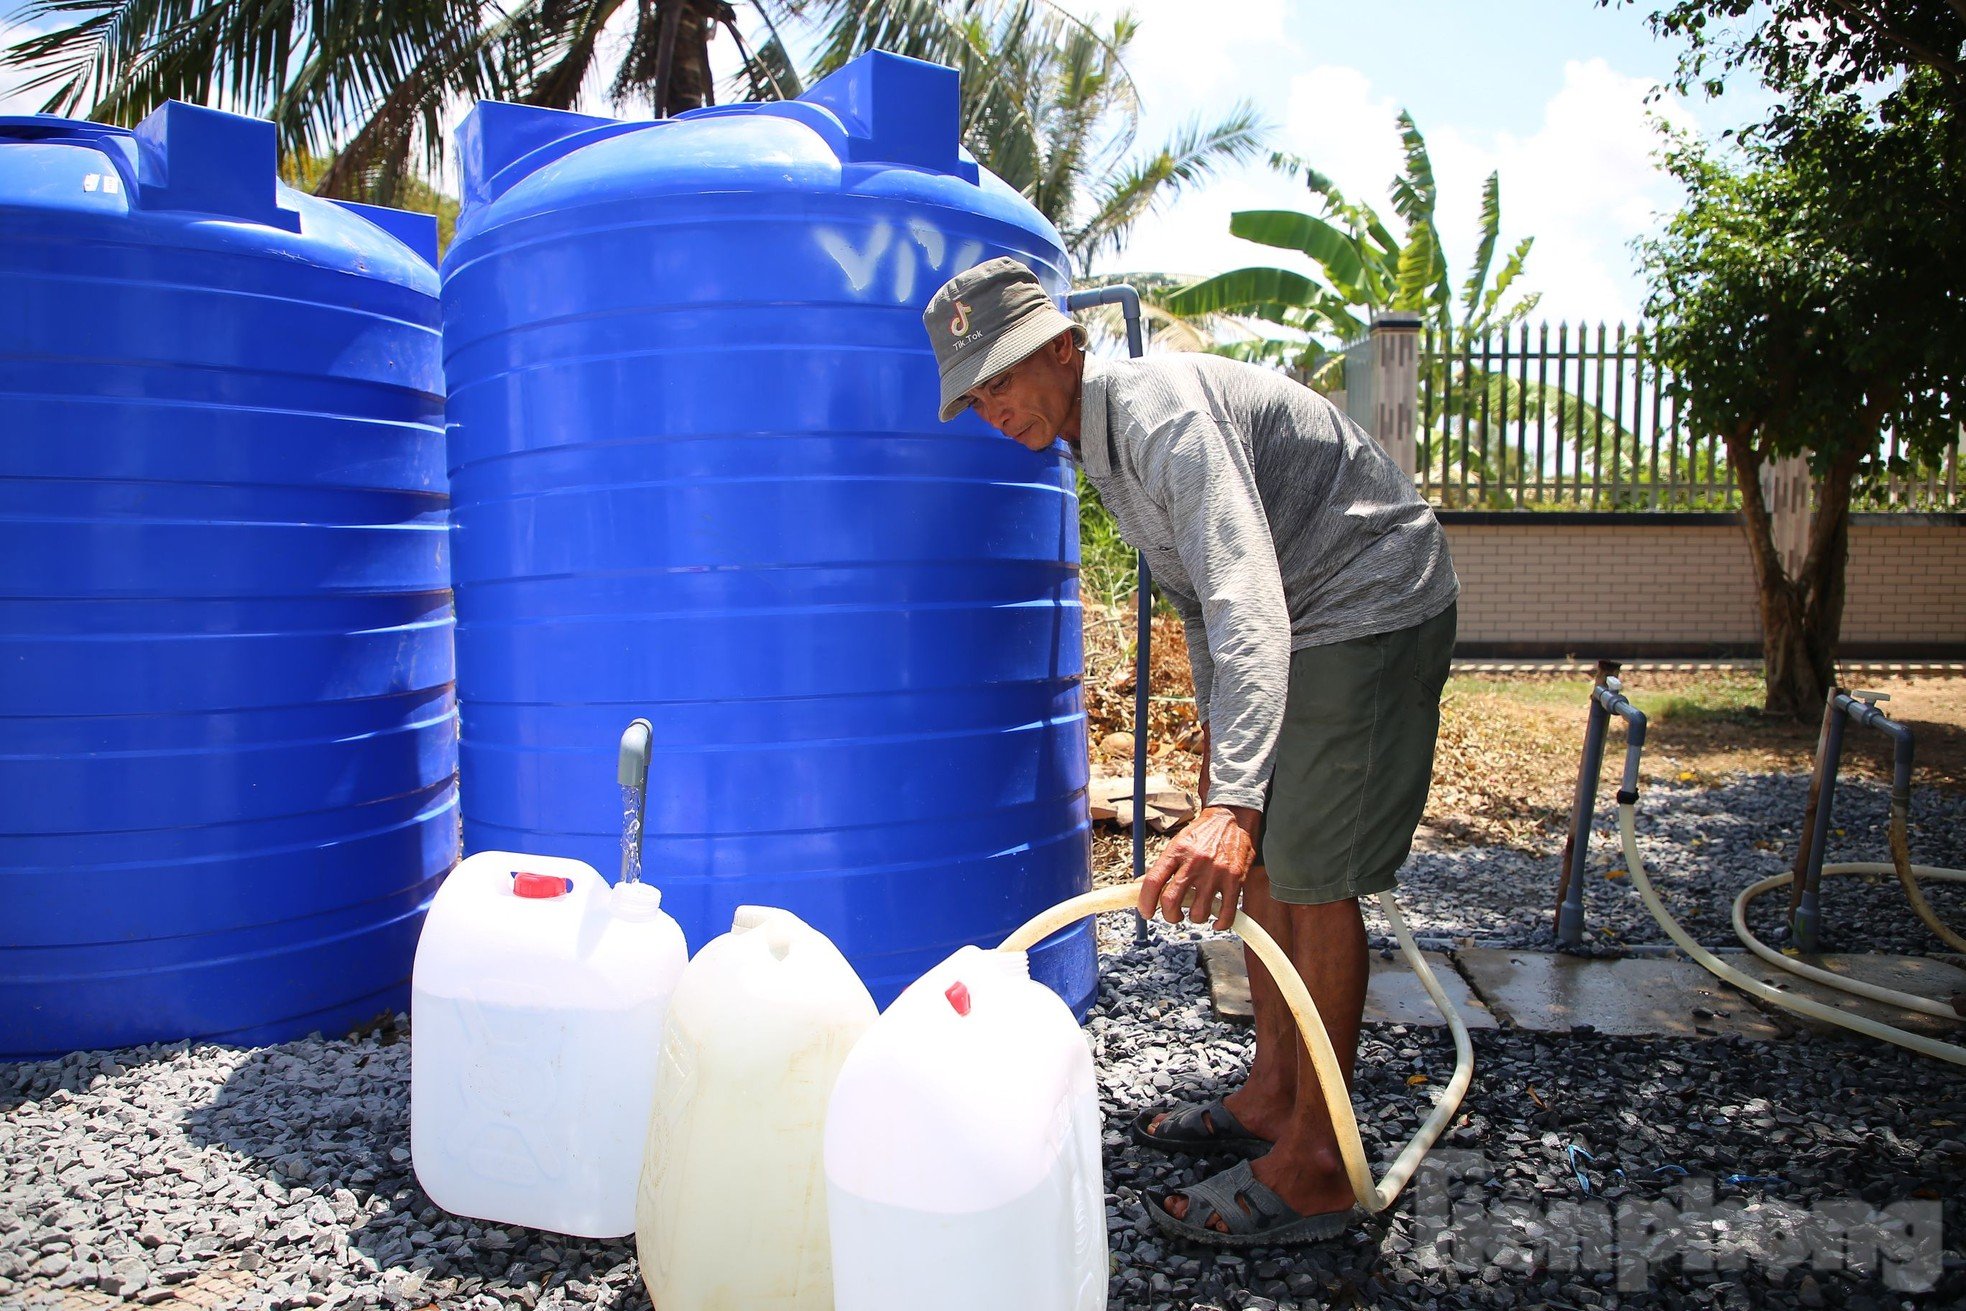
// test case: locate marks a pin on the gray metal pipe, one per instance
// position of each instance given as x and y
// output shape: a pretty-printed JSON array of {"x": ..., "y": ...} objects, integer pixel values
[
  {"x": 1129, "y": 302},
  {"x": 1610, "y": 694},
  {"x": 1570, "y": 915},
  {"x": 1805, "y": 918},
  {"x": 1867, "y": 714},
  {"x": 1607, "y": 699}
]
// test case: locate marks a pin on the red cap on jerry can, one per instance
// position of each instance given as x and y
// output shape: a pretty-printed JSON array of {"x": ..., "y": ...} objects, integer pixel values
[
  {"x": 538, "y": 886},
  {"x": 958, "y": 995}
]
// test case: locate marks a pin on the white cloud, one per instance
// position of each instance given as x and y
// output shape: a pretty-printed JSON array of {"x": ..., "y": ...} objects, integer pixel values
[
  {"x": 1341, "y": 126},
  {"x": 1179, "y": 59},
  {"x": 1584, "y": 183},
  {"x": 14, "y": 100}
]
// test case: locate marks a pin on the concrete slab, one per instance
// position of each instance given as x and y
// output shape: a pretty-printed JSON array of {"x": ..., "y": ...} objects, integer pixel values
[
  {"x": 1922, "y": 976},
  {"x": 1552, "y": 993},
  {"x": 1228, "y": 980},
  {"x": 1393, "y": 994}
]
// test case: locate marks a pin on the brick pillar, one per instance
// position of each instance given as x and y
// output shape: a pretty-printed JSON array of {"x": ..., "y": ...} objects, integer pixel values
[
  {"x": 1395, "y": 390},
  {"x": 1785, "y": 485}
]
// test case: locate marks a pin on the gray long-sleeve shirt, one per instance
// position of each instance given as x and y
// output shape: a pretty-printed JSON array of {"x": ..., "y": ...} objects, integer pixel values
[{"x": 1270, "y": 520}]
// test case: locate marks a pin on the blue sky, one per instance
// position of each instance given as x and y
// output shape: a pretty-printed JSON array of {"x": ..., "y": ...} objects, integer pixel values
[{"x": 1550, "y": 92}]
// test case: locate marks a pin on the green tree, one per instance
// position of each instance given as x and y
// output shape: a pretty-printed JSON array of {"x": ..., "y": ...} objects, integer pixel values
[
  {"x": 1830, "y": 47},
  {"x": 1808, "y": 295}
]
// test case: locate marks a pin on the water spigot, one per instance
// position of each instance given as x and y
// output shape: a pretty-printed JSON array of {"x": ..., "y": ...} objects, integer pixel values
[{"x": 634, "y": 765}]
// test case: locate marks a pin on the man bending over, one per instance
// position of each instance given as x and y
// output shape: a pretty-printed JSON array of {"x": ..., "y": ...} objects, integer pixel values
[{"x": 1319, "y": 600}]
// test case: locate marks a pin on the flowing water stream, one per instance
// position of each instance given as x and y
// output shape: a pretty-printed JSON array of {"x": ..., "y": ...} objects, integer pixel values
[{"x": 631, "y": 833}]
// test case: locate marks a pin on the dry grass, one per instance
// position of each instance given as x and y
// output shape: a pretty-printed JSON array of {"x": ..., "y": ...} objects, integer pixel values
[{"x": 1507, "y": 761}]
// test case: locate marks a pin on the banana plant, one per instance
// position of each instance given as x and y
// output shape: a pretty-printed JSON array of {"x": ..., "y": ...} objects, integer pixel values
[{"x": 1361, "y": 265}]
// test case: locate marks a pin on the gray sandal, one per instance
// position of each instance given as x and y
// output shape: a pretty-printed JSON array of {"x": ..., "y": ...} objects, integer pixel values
[
  {"x": 1255, "y": 1215},
  {"x": 1196, "y": 1129}
]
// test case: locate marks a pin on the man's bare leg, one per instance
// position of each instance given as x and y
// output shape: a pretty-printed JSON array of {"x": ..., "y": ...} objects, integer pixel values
[
  {"x": 1327, "y": 945},
  {"x": 1264, "y": 1103}
]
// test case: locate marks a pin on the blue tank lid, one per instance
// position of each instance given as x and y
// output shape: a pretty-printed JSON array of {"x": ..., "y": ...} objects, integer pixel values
[
  {"x": 200, "y": 177},
  {"x": 883, "y": 125}
]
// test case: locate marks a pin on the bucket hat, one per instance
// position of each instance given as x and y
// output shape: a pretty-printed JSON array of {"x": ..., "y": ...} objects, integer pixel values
[{"x": 985, "y": 320}]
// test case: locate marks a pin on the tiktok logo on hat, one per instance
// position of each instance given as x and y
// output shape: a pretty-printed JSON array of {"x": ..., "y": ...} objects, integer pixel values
[{"x": 959, "y": 323}]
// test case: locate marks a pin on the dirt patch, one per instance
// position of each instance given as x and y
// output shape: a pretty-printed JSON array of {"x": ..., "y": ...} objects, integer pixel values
[{"x": 1507, "y": 761}]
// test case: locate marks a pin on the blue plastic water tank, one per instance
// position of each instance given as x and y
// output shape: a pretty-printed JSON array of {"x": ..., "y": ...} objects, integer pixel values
[
  {"x": 696, "y": 475},
  {"x": 227, "y": 730}
]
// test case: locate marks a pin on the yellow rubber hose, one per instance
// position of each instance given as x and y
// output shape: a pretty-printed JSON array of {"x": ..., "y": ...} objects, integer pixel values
[
  {"x": 1909, "y": 874},
  {"x": 1856, "y": 987},
  {"x": 1331, "y": 1080},
  {"x": 1628, "y": 833}
]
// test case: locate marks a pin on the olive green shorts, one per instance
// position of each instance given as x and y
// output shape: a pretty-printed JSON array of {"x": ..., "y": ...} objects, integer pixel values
[{"x": 1354, "y": 761}]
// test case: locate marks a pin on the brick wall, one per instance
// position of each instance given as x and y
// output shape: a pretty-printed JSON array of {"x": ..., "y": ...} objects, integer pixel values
[
  {"x": 1907, "y": 584},
  {"x": 1541, "y": 584}
]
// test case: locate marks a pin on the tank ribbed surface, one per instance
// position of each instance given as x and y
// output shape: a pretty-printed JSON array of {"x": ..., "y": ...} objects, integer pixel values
[
  {"x": 697, "y": 476},
  {"x": 227, "y": 728}
]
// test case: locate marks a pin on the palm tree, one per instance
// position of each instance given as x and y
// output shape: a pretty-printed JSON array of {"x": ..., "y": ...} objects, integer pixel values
[
  {"x": 366, "y": 88},
  {"x": 1068, "y": 141}
]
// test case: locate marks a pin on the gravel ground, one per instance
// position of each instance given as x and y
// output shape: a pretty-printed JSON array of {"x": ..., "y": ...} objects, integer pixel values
[
  {"x": 1832, "y": 1130},
  {"x": 1702, "y": 845},
  {"x": 280, "y": 1177}
]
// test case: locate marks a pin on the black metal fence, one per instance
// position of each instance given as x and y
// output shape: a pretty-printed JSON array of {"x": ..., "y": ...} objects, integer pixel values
[{"x": 1581, "y": 417}]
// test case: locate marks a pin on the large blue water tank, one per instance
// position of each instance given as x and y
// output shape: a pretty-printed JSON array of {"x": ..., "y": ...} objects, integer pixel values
[
  {"x": 227, "y": 732},
  {"x": 696, "y": 475}
]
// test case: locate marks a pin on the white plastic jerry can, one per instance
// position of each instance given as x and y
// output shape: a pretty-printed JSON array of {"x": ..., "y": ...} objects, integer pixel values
[
  {"x": 732, "y": 1215},
  {"x": 962, "y": 1150},
  {"x": 536, "y": 1017}
]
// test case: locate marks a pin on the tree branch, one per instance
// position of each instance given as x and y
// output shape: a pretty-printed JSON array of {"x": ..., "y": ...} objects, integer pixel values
[{"x": 1881, "y": 28}]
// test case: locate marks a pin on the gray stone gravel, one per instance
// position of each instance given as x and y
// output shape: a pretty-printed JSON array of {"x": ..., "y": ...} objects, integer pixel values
[
  {"x": 1836, "y": 1132},
  {"x": 1701, "y": 846},
  {"x": 280, "y": 1177}
]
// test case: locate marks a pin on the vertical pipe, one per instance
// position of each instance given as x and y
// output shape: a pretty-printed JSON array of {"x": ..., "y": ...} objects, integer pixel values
[
  {"x": 1129, "y": 302},
  {"x": 1576, "y": 846},
  {"x": 1142, "y": 650},
  {"x": 1136, "y": 346},
  {"x": 1805, "y": 915},
  {"x": 1805, "y": 843}
]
